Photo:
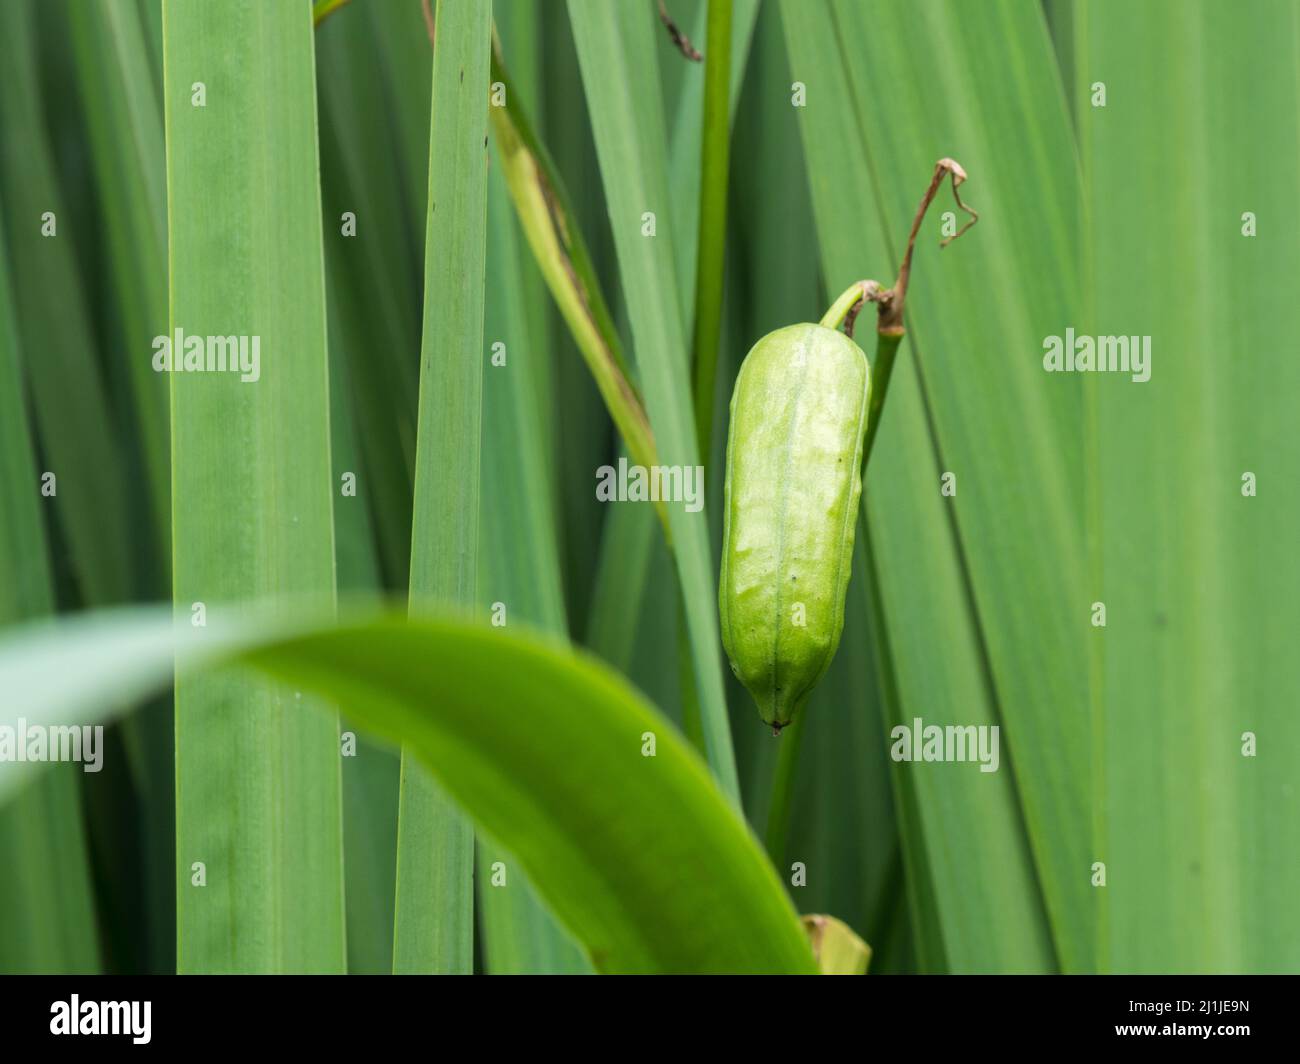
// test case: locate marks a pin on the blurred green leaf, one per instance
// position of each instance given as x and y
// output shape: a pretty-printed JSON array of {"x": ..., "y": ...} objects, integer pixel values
[
  {"x": 642, "y": 857},
  {"x": 374, "y": 293},
  {"x": 100, "y": 107},
  {"x": 45, "y": 882},
  {"x": 78, "y": 435},
  {"x": 125, "y": 123}
]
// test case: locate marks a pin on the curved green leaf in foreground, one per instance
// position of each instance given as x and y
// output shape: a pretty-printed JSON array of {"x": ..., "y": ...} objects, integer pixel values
[{"x": 641, "y": 857}]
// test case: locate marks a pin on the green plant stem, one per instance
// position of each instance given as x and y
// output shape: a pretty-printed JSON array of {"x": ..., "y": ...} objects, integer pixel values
[
  {"x": 887, "y": 344},
  {"x": 888, "y": 337},
  {"x": 716, "y": 140},
  {"x": 778, "y": 813},
  {"x": 715, "y": 132},
  {"x": 848, "y": 299},
  {"x": 692, "y": 721},
  {"x": 890, "y": 302}
]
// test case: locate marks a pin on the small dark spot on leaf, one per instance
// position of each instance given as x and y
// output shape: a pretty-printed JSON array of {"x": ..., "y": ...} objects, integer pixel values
[{"x": 462, "y": 75}]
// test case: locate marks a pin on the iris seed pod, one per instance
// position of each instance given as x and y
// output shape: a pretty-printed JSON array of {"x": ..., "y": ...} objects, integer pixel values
[{"x": 793, "y": 482}]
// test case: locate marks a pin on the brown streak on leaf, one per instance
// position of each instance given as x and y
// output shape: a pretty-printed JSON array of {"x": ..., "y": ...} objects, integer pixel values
[
  {"x": 428, "y": 21},
  {"x": 678, "y": 38},
  {"x": 559, "y": 222}
]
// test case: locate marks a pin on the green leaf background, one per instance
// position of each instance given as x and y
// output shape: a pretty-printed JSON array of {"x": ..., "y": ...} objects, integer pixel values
[{"x": 1158, "y": 750}]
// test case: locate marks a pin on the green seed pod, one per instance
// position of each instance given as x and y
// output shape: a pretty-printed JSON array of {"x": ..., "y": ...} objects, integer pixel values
[{"x": 794, "y": 457}]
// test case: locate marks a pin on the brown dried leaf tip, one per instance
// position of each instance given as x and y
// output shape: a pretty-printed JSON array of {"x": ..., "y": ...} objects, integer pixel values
[
  {"x": 678, "y": 38},
  {"x": 891, "y": 305},
  {"x": 953, "y": 167}
]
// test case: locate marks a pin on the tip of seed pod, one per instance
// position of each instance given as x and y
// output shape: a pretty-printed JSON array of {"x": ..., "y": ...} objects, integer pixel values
[{"x": 776, "y": 728}]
